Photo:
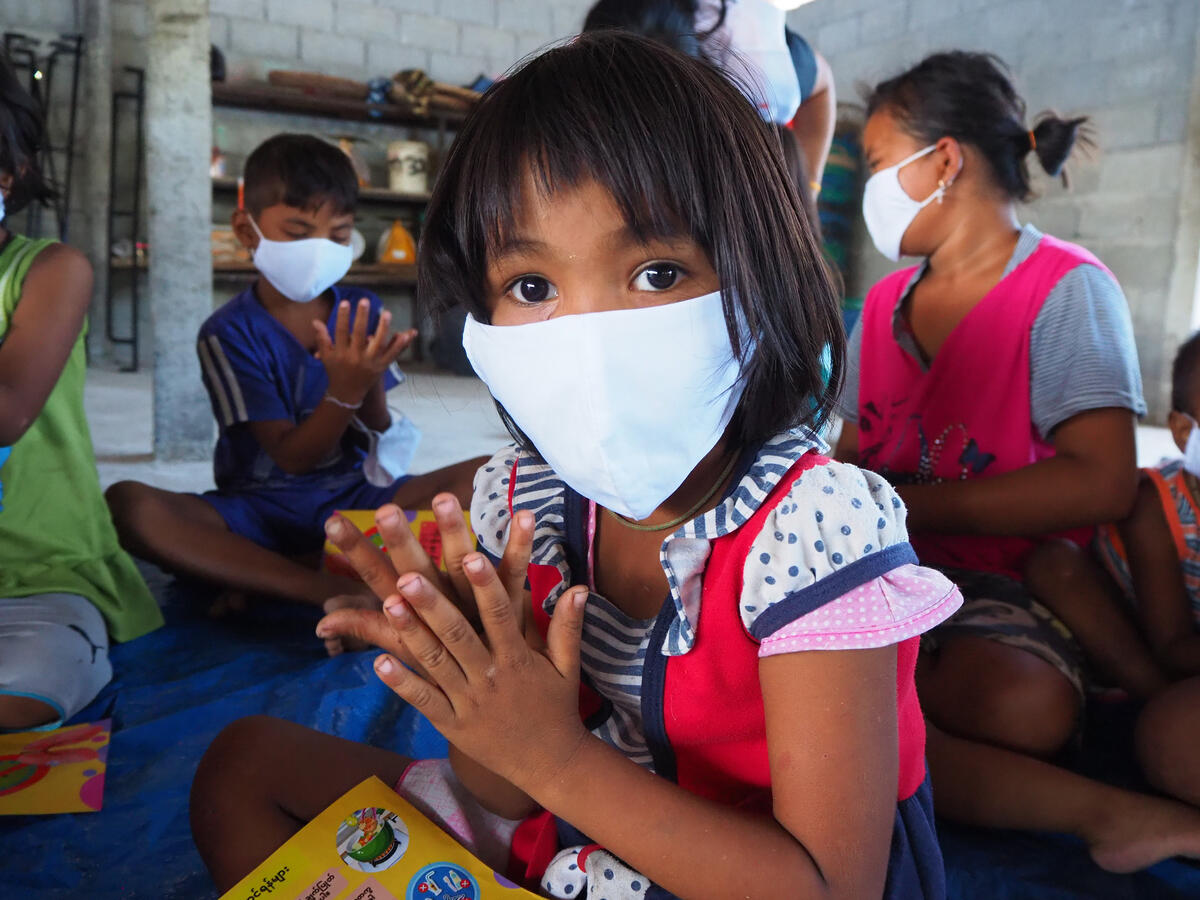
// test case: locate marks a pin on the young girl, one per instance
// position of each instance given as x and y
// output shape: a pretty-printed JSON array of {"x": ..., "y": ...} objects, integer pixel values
[
  {"x": 650, "y": 310},
  {"x": 997, "y": 385},
  {"x": 65, "y": 585}
]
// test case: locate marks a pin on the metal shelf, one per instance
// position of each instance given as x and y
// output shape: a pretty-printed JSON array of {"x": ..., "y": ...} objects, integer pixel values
[{"x": 365, "y": 194}]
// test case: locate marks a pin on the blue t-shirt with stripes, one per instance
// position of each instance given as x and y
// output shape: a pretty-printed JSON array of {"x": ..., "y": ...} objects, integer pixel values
[{"x": 256, "y": 371}]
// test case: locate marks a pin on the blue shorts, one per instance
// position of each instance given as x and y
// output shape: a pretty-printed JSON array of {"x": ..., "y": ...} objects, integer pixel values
[{"x": 290, "y": 520}]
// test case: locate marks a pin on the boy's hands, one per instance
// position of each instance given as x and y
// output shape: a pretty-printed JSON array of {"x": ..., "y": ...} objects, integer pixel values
[{"x": 353, "y": 360}]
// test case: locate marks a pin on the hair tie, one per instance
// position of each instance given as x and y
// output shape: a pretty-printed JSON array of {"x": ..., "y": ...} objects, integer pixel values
[{"x": 1032, "y": 140}]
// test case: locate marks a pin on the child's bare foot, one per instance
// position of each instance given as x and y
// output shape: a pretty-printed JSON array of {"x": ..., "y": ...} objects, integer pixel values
[
  {"x": 346, "y": 643},
  {"x": 1141, "y": 830}
]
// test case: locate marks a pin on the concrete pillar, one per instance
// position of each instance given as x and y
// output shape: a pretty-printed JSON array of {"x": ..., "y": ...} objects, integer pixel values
[
  {"x": 96, "y": 125},
  {"x": 179, "y": 195}
]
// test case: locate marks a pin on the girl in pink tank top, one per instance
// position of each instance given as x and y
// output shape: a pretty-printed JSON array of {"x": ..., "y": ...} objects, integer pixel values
[{"x": 981, "y": 384}]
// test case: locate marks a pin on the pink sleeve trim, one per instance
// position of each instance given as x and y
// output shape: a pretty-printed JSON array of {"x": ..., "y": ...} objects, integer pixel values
[{"x": 898, "y": 605}]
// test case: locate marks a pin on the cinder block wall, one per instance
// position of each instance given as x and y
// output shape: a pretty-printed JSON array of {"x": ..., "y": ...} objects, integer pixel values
[{"x": 1130, "y": 64}]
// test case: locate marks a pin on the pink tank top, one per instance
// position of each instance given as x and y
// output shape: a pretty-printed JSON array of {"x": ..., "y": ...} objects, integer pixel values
[{"x": 968, "y": 415}]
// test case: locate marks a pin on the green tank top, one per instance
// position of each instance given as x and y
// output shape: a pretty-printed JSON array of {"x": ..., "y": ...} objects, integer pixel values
[{"x": 56, "y": 534}]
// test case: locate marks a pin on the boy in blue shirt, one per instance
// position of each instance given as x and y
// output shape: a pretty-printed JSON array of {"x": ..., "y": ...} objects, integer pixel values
[{"x": 297, "y": 368}]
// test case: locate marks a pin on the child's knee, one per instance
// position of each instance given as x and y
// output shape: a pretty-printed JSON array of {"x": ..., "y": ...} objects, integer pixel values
[
  {"x": 234, "y": 759},
  {"x": 126, "y": 500}
]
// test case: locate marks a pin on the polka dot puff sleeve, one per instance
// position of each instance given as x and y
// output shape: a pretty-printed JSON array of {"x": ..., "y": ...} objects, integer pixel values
[{"x": 832, "y": 569}]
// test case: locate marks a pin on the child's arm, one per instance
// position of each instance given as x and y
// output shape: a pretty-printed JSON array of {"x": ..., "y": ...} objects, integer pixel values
[
  {"x": 831, "y": 729},
  {"x": 43, "y": 329},
  {"x": 1092, "y": 478},
  {"x": 374, "y": 411},
  {"x": 1162, "y": 599},
  {"x": 355, "y": 364}
]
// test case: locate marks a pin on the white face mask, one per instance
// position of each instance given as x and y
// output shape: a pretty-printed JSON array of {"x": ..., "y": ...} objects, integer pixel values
[
  {"x": 621, "y": 404},
  {"x": 301, "y": 270},
  {"x": 889, "y": 210},
  {"x": 1191, "y": 451}
]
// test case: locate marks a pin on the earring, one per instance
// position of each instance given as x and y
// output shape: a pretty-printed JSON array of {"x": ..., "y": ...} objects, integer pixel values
[{"x": 941, "y": 189}]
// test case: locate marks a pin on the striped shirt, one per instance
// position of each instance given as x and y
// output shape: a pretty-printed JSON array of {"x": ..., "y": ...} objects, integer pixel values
[{"x": 1082, "y": 354}]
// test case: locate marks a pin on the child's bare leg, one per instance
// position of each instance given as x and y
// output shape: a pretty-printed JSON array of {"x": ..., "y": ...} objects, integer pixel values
[
  {"x": 20, "y": 713},
  {"x": 1066, "y": 579},
  {"x": 1168, "y": 735},
  {"x": 418, "y": 492},
  {"x": 184, "y": 534},
  {"x": 984, "y": 690},
  {"x": 985, "y": 786},
  {"x": 263, "y": 779}
]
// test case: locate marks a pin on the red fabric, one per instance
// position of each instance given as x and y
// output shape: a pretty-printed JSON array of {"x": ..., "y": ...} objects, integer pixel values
[
  {"x": 534, "y": 844},
  {"x": 971, "y": 404}
]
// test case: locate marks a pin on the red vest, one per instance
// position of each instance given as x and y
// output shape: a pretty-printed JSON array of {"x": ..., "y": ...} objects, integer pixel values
[{"x": 969, "y": 415}]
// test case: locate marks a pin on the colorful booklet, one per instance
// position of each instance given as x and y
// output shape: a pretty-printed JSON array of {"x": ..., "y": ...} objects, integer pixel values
[
  {"x": 422, "y": 522},
  {"x": 372, "y": 845},
  {"x": 43, "y": 772}
]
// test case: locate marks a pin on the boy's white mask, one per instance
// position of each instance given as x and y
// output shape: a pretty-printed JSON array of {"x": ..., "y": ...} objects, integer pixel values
[
  {"x": 301, "y": 270},
  {"x": 622, "y": 404},
  {"x": 1191, "y": 450}
]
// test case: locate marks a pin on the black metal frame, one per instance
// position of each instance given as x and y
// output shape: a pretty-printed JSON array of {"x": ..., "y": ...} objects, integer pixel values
[
  {"x": 133, "y": 212},
  {"x": 23, "y": 50}
]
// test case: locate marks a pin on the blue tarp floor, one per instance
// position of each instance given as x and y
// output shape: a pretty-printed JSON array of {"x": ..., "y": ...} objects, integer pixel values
[{"x": 176, "y": 688}]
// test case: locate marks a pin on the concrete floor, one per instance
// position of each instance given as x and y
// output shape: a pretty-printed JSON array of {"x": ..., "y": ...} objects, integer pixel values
[{"x": 455, "y": 415}]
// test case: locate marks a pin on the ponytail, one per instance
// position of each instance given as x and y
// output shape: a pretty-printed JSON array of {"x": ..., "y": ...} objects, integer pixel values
[{"x": 1053, "y": 139}]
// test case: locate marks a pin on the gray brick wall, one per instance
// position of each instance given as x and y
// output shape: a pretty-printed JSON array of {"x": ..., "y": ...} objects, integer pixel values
[
  {"x": 455, "y": 41},
  {"x": 1131, "y": 66}
]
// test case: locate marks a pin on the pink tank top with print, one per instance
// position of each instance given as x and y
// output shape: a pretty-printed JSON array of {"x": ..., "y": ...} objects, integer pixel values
[{"x": 969, "y": 414}]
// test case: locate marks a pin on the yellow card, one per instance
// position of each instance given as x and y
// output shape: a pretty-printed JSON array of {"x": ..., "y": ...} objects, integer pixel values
[
  {"x": 55, "y": 771},
  {"x": 422, "y": 522},
  {"x": 372, "y": 845}
]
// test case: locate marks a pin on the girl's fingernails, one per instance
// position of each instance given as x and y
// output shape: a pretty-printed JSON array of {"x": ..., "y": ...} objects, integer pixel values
[
  {"x": 334, "y": 527},
  {"x": 408, "y": 583},
  {"x": 473, "y": 564},
  {"x": 580, "y": 599},
  {"x": 525, "y": 519},
  {"x": 385, "y": 665},
  {"x": 387, "y": 516},
  {"x": 323, "y": 632},
  {"x": 396, "y": 610},
  {"x": 445, "y": 505}
]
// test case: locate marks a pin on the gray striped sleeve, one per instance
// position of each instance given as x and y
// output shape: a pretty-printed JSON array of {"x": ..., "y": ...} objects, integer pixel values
[
  {"x": 847, "y": 405},
  {"x": 1081, "y": 354}
]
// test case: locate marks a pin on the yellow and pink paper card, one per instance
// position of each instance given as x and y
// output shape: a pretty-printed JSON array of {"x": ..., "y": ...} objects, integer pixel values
[
  {"x": 422, "y": 522},
  {"x": 372, "y": 845},
  {"x": 57, "y": 771}
]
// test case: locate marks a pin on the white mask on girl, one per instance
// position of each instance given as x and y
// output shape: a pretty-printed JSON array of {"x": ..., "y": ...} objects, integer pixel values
[
  {"x": 301, "y": 270},
  {"x": 887, "y": 208},
  {"x": 1191, "y": 450},
  {"x": 622, "y": 404}
]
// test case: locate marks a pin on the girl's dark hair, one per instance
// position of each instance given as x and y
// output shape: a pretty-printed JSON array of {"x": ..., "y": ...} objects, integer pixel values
[
  {"x": 299, "y": 170},
  {"x": 969, "y": 97},
  {"x": 680, "y": 150},
  {"x": 1184, "y": 372},
  {"x": 22, "y": 138},
  {"x": 670, "y": 22}
]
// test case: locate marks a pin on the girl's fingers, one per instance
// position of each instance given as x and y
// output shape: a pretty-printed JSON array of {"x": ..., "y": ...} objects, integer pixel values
[
  {"x": 444, "y": 622},
  {"x": 341, "y": 327},
  {"x": 403, "y": 548},
  {"x": 456, "y": 540},
  {"x": 514, "y": 566},
  {"x": 370, "y": 564},
  {"x": 566, "y": 632},
  {"x": 433, "y": 652},
  {"x": 413, "y": 689},
  {"x": 496, "y": 611},
  {"x": 359, "y": 335}
]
